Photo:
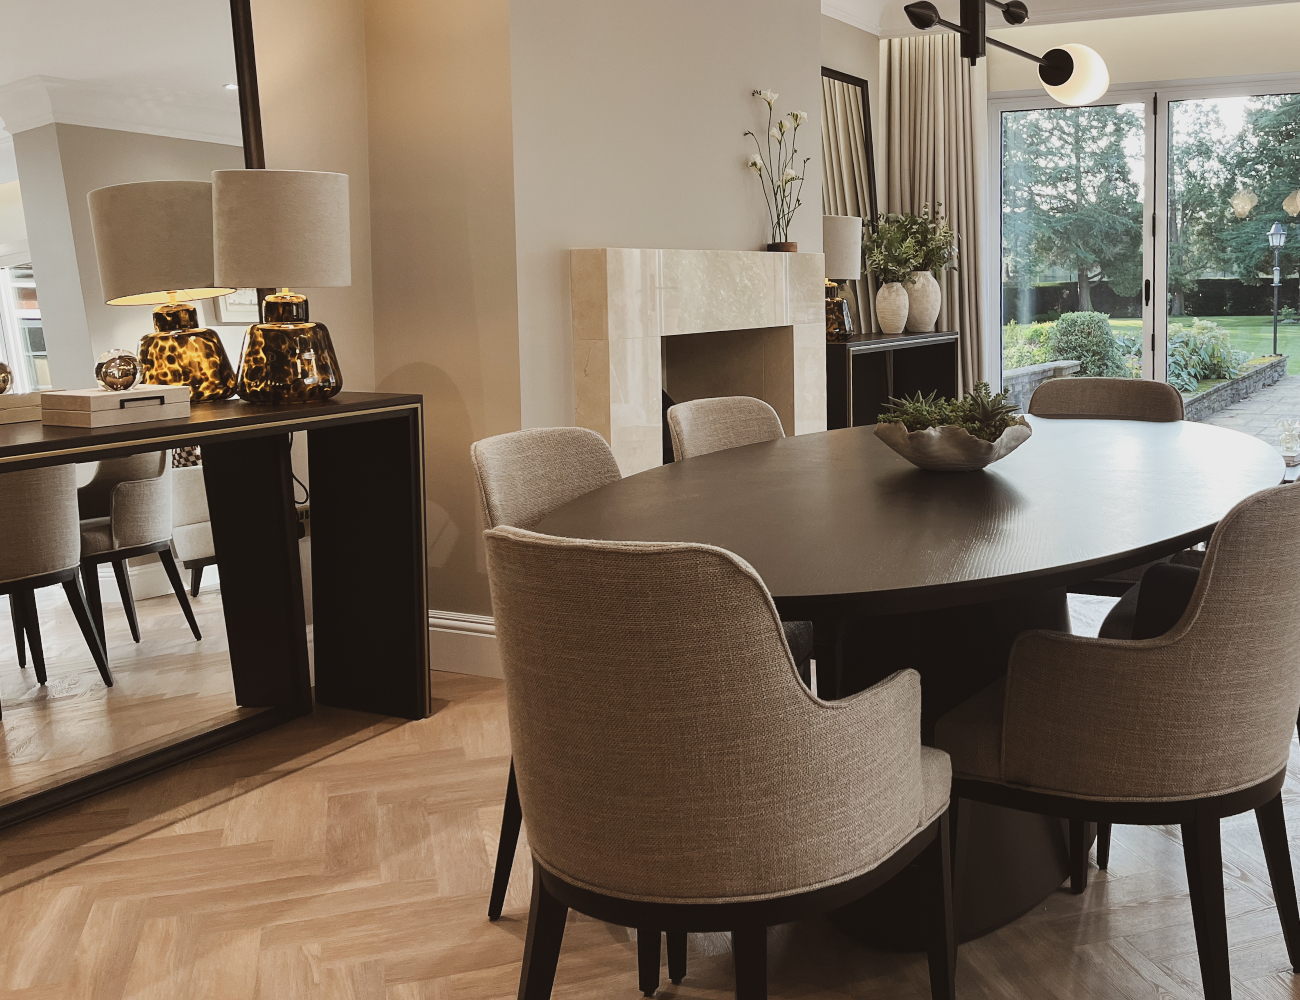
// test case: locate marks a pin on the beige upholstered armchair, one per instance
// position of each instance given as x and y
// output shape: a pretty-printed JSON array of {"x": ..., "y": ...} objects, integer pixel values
[
  {"x": 126, "y": 511},
  {"x": 1107, "y": 399},
  {"x": 39, "y": 510},
  {"x": 703, "y": 426},
  {"x": 1186, "y": 728},
  {"x": 191, "y": 524},
  {"x": 655, "y": 802}
]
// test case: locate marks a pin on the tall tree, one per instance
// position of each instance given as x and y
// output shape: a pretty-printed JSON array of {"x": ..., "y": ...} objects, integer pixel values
[
  {"x": 1076, "y": 202},
  {"x": 1199, "y": 182}
]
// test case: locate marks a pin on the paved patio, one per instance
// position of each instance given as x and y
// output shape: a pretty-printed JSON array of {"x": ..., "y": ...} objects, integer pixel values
[{"x": 1258, "y": 415}]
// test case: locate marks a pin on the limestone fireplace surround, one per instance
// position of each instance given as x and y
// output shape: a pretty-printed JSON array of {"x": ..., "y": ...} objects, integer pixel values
[{"x": 694, "y": 323}]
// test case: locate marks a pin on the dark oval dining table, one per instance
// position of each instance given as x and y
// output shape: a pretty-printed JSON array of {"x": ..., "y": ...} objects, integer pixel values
[{"x": 898, "y": 567}]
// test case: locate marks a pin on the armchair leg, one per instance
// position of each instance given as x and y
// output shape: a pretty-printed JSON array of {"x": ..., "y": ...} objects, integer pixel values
[
  {"x": 676, "y": 956},
  {"x": 178, "y": 585},
  {"x": 1078, "y": 856},
  {"x": 1272, "y": 831},
  {"x": 647, "y": 960},
  {"x": 90, "y": 580},
  {"x": 510, "y": 823},
  {"x": 1203, "y": 852},
  {"x": 128, "y": 598},
  {"x": 749, "y": 951},
  {"x": 941, "y": 939},
  {"x": 32, "y": 626},
  {"x": 196, "y": 580},
  {"x": 1103, "y": 846},
  {"x": 542, "y": 946},
  {"x": 16, "y": 615},
  {"x": 80, "y": 611}
]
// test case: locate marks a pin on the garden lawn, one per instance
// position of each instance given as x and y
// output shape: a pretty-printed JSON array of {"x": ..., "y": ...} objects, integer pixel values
[{"x": 1252, "y": 334}]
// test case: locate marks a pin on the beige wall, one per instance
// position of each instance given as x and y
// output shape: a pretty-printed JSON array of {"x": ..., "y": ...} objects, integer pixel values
[
  {"x": 13, "y": 227},
  {"x": 442, "y": 211},
  {"x": 1245, "y": 41},
  {"x": 628, "y": 132}
]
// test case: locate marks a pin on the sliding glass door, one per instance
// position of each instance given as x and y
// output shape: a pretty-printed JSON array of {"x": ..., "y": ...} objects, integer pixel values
[{"x": 1132, "y": 238}]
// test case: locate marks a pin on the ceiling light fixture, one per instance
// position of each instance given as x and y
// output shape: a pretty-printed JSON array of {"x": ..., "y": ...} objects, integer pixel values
[{"x": 1073, "y": 74}]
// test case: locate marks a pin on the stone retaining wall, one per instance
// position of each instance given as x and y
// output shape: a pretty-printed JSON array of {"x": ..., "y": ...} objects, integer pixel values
[
  {"x": 1020, "y": 383},
  {"x": 1216, "y": 397}
]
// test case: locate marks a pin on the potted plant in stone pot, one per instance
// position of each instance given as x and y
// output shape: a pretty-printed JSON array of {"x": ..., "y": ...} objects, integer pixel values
[
  {"x": 953, "y": 435},
  {"x": 936, "y": 251},
  {"x": 891, "y": 254},
  {"x": 779, "y": 169}
]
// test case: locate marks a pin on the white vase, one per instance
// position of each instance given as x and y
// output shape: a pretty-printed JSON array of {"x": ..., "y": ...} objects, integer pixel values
[
  {"x": 891, "y": 307},
  {"x": 924, "y": 298}
]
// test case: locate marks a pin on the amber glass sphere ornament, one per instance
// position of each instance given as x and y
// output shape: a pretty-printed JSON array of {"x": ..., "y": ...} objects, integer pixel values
[
  {"x": 6, "y": 378},
  {"x": 180, "y": 352},
  {"x": 287, "y": 357},
  {"x": 118, "y": 370}
]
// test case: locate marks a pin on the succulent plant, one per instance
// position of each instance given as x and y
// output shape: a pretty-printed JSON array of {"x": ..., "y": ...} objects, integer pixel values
[{"x": 979, "y": 412}]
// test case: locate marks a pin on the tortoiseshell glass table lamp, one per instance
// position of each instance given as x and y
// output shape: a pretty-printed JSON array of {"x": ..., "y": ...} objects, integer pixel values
[
  {"x": 153, "y": 242},
  {"x": 284, "y": 229}
]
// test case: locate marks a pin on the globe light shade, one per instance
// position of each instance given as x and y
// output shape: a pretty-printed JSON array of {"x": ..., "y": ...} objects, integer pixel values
[
  {"x": 1074, "y": 74},
  {"x": 1292, "y": 203},
  {"x": 1277, "y": 236}
]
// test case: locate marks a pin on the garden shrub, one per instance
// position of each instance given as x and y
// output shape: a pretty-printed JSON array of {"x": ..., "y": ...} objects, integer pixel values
[
  {"x": 1086, "y": 337},
  {"x": 1204, "y": 352},
  {"x": 1026, "y": 345}
]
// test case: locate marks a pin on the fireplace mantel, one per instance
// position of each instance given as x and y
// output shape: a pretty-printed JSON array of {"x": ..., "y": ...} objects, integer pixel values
[{"x": 765, "y": 313}]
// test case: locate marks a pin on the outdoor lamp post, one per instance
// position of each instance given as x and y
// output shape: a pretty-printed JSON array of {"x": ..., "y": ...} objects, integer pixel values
[{"x": 1277, "y": 240}]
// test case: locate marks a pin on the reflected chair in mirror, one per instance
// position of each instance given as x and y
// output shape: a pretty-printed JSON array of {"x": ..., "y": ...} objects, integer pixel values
[
  {"x": 191, "y": 524},
  {"x": 42, "y": 548},
  {"x": 650, "y": 807},
  {"x": 126, "y": 511},
  {"x": 1187, "y": 728},
  {"x": 703, "y": 426}
]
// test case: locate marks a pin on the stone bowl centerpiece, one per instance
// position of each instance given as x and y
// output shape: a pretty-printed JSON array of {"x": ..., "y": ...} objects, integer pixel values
[{"x": 953, "y": 435}]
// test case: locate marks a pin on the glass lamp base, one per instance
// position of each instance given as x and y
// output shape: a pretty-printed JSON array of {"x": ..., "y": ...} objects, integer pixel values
[
  {"x": 288, "y": 363},
  {"x": 180, "y": 352}
]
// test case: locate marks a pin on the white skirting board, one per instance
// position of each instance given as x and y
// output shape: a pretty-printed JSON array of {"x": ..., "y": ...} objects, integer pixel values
[{"x": 463, "y": 644}]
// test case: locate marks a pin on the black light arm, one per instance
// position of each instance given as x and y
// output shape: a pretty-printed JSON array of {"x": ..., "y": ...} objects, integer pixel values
[{"x": 1054, "y": 68}]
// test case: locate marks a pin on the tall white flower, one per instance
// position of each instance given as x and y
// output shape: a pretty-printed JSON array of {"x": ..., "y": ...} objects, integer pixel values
[
  {"x": 755, "y": 163},
  {"x": 767, "y": 95},
  {"x": 781, "y": 125},
  {"x": 788, "y": 176},
  {"x": 775, "y": 133},
  {"x": 799, "y": 117}
]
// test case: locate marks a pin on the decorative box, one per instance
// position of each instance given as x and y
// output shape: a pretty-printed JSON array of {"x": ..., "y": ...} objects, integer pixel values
[
  {"x": 18, "y": 407},
  {"x": 107, "y": 408}
]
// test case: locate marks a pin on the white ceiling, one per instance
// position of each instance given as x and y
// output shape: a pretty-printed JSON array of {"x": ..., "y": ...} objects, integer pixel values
[
  {"x": 166, "y": 59},
  {"x": 886, "y": 17}
]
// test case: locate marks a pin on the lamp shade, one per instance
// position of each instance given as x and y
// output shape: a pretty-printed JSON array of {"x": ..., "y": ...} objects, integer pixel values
[
  {"x": 153, "y": 241},
  {"x": 1277, "y": 236},
  {"x": 1074, "y": 74},
  {"x": 842, "y": 244},
  {"x": 281, "y": 228}
]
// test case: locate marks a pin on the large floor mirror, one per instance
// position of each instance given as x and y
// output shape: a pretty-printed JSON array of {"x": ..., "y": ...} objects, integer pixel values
[{"x": 96, "y": 93}]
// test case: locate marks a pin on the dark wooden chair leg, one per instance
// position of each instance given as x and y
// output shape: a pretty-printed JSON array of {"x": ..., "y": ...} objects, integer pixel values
[
  {"x": 510, "y": 823},
  {"x": 1203, "y": 853},
  {"x": 16, "y": 614},
  {"x": 1078, "y": 856},
  {"x": 647, "y": 960},
  {"x": 196, "y": 580},
  {"x": 81, "y": 611},
  {"x": 941, "y": 939},
  {"x": 958, "y": 823},
  {"x": 178, "y": 585},
  {"x": 749, "y": 952},
  {"x": 90, "y": 580},
  {"x": 1103, "y": 846},
  {"x": 1272, "y": 831},
  {"x": 32, "y": 626},
  {"x": 128, "y": 598},
  {"x": 542, "y": 945},
  {"x": 676, "y": 956}
]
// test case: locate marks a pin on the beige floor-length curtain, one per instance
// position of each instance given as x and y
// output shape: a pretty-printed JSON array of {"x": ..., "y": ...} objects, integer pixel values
[
  {"x": 845, "y": 189},
  {"x": 935, "y": 142}
]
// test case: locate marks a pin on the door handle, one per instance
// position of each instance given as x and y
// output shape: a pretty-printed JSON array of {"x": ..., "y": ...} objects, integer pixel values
[{"x": 1148, "y": 291}]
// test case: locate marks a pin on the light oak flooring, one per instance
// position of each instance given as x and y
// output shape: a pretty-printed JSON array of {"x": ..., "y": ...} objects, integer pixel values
[
  {"x": 166, "y": 687},
  {"x": 348, "y": 857}
]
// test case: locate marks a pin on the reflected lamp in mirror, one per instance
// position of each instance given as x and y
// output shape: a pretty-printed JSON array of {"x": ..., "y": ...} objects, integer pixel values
[
  {"x": 153, "y": 242},
  {"x": 842, "y": 246},
  {"x": 284, "y": 229}
]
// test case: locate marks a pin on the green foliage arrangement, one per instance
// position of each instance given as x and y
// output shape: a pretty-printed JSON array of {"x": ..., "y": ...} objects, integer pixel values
[
  {"x": 1027, "y": 345},
  {"x": 891, "y": 251},
  {"x": 1086, "y": 337},
  {"x": 980, "y": 413},
  {"x": 1201, "y": 353},
  {"x": 935, "y": 242}
]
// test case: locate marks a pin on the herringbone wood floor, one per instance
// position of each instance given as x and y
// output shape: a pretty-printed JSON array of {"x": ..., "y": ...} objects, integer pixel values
[{"x": 348, "y": 857}]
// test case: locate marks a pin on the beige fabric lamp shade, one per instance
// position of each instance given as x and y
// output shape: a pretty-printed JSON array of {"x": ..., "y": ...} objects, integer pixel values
[
  {"x": 842, "y": 245},
  {"x": 281, "y": 228},
  {"x": 153, "y": 241}
]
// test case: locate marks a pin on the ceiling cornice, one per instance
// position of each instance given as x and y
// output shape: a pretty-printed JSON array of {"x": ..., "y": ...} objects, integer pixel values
[{"x": 864, "y": 14}]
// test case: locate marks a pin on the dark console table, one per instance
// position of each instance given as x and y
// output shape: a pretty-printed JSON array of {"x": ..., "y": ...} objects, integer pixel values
[
  {"x": 366, "y": 460},
  {"x": 863, "y": 372}
]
